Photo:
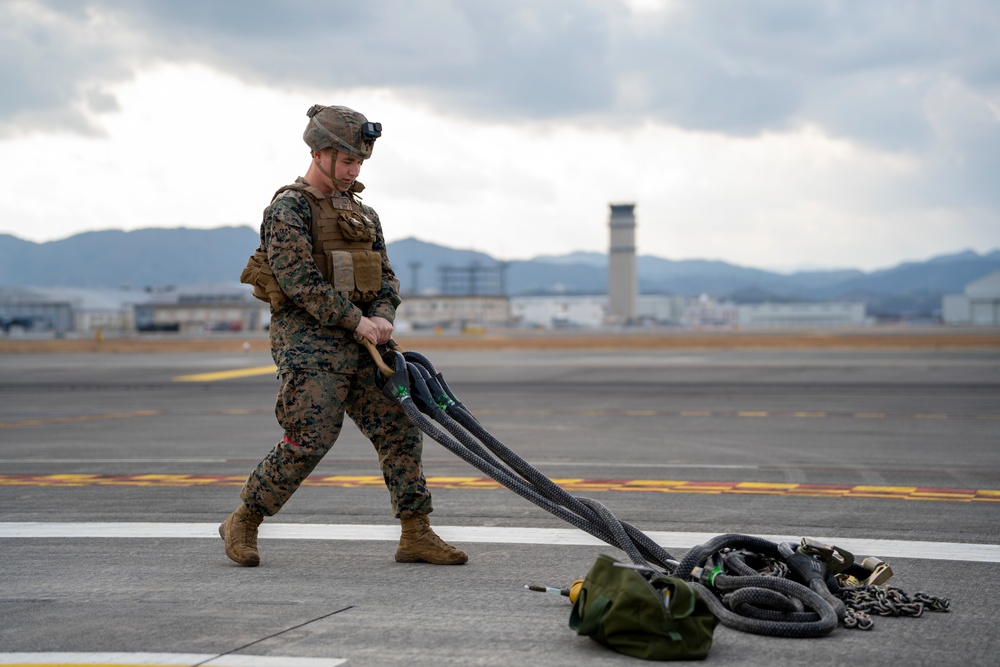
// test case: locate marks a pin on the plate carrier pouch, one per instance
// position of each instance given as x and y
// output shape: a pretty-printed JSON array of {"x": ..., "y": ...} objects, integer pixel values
[
  {"x": 258, "y": 274},
  {"x": 662, "y": 618},
  {"x": 342, "y": 237}
]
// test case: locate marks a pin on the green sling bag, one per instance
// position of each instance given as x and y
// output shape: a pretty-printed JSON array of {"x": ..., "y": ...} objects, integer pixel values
[{"x": 658, "y": 619}]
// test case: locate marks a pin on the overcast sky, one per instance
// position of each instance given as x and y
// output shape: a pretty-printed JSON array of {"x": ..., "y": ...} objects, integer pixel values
[{"x": 776, "y": 134}]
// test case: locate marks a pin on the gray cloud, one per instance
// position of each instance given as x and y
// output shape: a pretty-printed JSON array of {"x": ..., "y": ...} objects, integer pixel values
[
  {"x": 868, "y": 71},
  {"x": 52, "y": 63}
]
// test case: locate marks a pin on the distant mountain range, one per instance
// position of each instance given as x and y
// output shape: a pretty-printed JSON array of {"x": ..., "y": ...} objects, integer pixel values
[{"x": 160, "y": 257}]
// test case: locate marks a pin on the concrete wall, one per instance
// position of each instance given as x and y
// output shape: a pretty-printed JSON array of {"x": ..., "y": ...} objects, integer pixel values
[
  {"x": 555, "y": 312},
  {"x": 783, "y": 315},
  {"x": 453, "y": 311}
]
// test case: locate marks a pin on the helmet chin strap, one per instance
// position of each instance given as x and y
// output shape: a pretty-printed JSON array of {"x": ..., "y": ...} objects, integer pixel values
[{"x": 341, "y": 185}]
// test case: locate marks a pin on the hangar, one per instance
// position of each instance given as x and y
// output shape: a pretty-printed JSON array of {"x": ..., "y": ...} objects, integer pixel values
[{"x": 979, "y": 303}]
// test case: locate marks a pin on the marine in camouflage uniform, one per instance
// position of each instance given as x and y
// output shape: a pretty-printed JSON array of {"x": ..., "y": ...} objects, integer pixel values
[{"x": 316, "y": 323}]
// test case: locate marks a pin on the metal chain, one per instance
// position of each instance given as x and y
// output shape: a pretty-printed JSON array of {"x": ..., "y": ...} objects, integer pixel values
[
  {"x": 862, "y": 601},
  {"x": 933, "y": 603},
  {"x": 779, "y": 569},
  {"x": 859, "y": 620}
]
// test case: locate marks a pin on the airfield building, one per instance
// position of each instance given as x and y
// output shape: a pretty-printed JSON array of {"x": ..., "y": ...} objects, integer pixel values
[
  {"x": 978, "y": 304},
  {"x": 622, "y": 275}
]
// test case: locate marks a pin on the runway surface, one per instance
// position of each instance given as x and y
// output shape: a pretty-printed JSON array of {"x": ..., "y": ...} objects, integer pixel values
[{"x": 115, "y": 470}]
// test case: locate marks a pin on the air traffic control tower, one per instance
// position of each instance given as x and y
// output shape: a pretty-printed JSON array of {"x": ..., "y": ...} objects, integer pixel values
[{"x": 622, "y": 281}]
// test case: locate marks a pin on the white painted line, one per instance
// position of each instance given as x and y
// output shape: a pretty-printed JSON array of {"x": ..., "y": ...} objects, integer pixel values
[
  {"x": 163, "y": 660},
  {"x": 985, "y": 553}
]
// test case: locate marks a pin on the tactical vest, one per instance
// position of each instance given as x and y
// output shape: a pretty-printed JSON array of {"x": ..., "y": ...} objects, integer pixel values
[{"x": 342, "y": 237}]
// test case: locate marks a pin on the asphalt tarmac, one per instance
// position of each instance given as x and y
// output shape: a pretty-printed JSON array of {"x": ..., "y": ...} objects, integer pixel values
[{"x": 116, "y": 469}]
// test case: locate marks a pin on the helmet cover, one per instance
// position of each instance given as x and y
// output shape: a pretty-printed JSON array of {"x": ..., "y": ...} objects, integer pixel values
[{"x": 342, "y": 129}]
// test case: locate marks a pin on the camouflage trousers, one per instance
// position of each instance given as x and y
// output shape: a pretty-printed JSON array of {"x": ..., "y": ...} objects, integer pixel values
[{"x": 310, "y": 408}]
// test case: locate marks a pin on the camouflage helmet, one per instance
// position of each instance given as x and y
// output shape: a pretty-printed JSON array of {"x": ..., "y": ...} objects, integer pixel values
[{"x": 342, "y": 129}]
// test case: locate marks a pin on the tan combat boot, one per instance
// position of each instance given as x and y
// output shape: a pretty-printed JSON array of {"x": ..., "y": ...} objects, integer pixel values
[
  {"x": 420, "y": 544},
  {"x": 239, "y": 532}
]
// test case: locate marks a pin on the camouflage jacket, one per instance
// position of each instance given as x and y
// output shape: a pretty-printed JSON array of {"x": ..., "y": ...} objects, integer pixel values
[{"x": 315, "y": 329}]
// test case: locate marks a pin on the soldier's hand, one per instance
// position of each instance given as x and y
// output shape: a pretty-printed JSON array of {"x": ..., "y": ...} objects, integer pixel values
[
  {"x": 366, "y": 329},
  {"x": 384, "y": 327}
]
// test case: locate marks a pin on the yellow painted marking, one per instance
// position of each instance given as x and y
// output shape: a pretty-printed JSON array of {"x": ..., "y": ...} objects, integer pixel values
[
  {"x": 869, "y": 415},
  {"x": 641, "y": 413},
  {"x": 709, "y": 490},
  {"x": 818, "y": 493},
  {"x": 347, "y": 480},
  {"x": 886, "y": 489},
  {"x": 648, "y": 482},
  {"x": 810, "y": 414},
  {"x": 570, "y": 484},
  {"x": 228, "y": 375},
  {"x": 957, "y": 495},
  {"x": 988, "y": 417},
  {"x": 751, "y": 413},
  {"x": 704, "y": 487},
  {"x": 80, "y": 418}
]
